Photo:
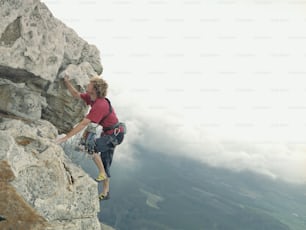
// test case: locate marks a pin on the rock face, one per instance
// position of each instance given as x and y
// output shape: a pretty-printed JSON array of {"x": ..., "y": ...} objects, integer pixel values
[
  {"x": 42, "y": 188},
  {"x": 39, "y": 186},
  {"x": 19, "y": 100},
  {"x": 36, "y": 49}
]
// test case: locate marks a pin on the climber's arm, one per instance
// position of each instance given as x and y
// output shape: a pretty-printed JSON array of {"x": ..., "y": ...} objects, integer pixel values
[
  {"x": 79, "y": 127},
  {"x": 71, "y": 89}
]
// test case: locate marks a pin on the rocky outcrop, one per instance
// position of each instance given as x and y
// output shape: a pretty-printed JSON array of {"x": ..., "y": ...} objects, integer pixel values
[
  {"x": 36, "y": 49},
  {"x": 40, "y": 182},
  {"x": 40, "y": 188}
]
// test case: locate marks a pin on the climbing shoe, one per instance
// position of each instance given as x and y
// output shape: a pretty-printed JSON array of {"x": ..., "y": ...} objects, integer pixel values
[
  {"x": 104, "y": 197},
  {"x": 101, "y": 177}
]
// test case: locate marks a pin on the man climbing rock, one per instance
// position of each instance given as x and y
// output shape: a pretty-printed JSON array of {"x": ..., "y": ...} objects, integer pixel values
[{"x": 103, "y": 114}]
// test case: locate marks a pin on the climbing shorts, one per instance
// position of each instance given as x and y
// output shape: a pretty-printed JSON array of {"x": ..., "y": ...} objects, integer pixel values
[{"x": 105, "y": 145}]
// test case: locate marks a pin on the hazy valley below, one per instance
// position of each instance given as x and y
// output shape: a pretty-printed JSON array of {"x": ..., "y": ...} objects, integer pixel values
[{"x": 159, "y": 191}]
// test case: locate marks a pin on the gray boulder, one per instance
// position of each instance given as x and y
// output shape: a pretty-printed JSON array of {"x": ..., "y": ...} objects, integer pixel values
[
  {"x": 19, "y": 100},
  {"x": 36, "y": 49}
]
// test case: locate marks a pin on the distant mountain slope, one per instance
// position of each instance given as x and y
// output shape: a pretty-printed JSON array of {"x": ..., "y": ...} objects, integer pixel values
[{"x": 165, "y": 192}]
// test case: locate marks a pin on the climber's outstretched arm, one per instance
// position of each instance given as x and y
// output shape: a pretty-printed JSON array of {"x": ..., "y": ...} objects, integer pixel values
[{"x": 79, "y": 127}]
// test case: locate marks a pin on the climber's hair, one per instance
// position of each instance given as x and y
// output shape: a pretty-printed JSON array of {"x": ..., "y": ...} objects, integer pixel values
[{"x": 100, "y": 86}]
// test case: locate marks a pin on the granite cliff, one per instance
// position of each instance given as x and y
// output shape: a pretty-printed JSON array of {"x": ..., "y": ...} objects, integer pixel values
[{"x": 40, "y": 188}]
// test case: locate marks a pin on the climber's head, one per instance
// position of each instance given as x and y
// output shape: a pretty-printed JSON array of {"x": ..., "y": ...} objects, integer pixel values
[{"x": 97, "y": 87}]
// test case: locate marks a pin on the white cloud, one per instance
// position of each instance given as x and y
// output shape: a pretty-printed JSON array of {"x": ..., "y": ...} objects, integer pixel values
[{"x": 220, "y": 81}]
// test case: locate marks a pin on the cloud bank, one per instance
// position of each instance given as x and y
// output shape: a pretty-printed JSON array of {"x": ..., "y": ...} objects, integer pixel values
[{"x": 218, "y": 81}]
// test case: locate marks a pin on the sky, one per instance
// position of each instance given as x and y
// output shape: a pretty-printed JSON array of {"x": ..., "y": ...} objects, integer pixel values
[{"x": 222, "y": 82}]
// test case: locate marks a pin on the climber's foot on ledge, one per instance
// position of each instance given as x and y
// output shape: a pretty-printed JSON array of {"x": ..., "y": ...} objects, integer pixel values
[{"x": 102, "y": 196}]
